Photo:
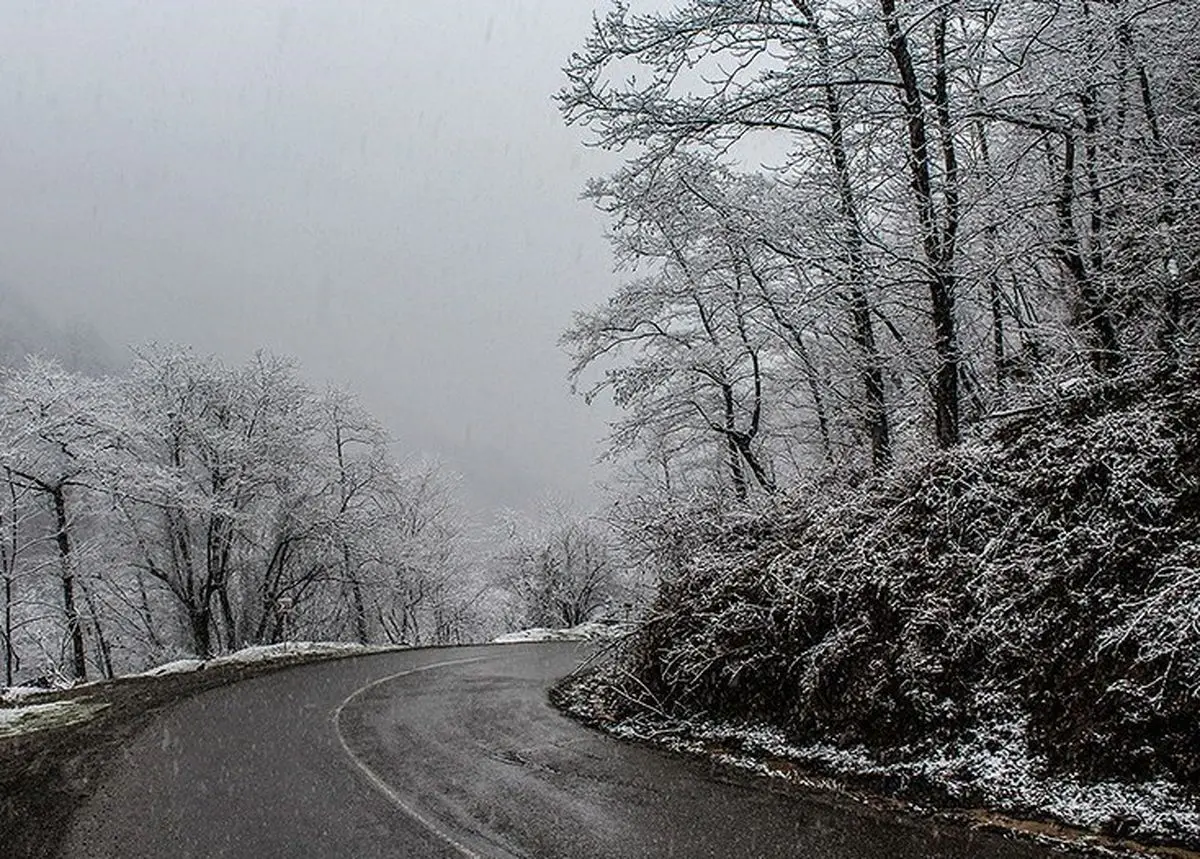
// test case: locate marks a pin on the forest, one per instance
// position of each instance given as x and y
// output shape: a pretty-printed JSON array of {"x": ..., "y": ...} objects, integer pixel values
[
  {"x": 905, "y": 352},
  {"x": 903, "y": 347},
  {"x": 185, "y": 506}
]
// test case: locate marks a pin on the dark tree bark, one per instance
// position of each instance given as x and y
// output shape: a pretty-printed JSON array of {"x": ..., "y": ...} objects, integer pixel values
[
  {"x": 1096, "y": 314},
  {"x": 991, "y": 244},
  {"x": 102, "y": 643},
  {"x": 200, "y": 621},
  {"x": 147, "y": 615},
  {"x": 745, "y": 440},
  {"x": 1173, "y": 284},
  {"x": 62, "y": 538},
  {"x": 937, "y": 241},
  {"x": 8, "y": 627},
  {"x": 8, "y": 553},
  {"x": 876, "y": 412},
  {"x": 818, "y": 396},
  {"x": 359, "y": 605},
  {"x": 741, "y": 487}
]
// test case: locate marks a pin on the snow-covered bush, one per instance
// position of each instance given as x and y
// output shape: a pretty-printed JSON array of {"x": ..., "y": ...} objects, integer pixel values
[{"x": 1048, "y": 573}]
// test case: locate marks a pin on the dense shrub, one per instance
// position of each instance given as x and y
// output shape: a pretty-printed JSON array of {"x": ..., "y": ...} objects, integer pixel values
[{"x": 1046, "y": 575}]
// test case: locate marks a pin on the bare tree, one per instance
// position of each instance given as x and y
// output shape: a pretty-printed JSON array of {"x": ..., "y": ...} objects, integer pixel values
[
  {"x": 53, "y": 421},
  {"x": 559, "y": 568}
]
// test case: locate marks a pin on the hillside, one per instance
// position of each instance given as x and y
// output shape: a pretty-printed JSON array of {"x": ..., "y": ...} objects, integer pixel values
[
  {"x": 25, "y": 330},
  {"x": 1012, "y": 623}
]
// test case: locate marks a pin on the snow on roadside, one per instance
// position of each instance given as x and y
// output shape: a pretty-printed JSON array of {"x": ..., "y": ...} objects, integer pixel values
[
  {"x": 268, "y": 652},
  {"x": 16, "y": 694},
  {"x": 1005, "y": 775},
  {"x": 588, "y": 631},
  {"x": 179, "y": 666},
  {"x": 265, "y": 653},
  {"x": 29, "y": 718},
  {"x": 245, "y": 656}
]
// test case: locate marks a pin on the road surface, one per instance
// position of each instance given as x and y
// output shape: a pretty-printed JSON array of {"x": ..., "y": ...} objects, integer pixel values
[{"x": 454, "y": 753}]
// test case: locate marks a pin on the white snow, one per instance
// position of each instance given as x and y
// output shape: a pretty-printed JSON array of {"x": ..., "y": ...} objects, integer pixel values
[
  {"x": 265, "y": 653},
  {"x": 268, "y": 652},
  {"x": 588, "y": 631},
  {"x": 179, "y": 666},
  {"x": 20, "y": 693},
  {"x": 258, "y": 653},
  {"x": 997, "y": 766},
  {"x": 38, "y": 717},
  {"x": 23, "y": 719}
]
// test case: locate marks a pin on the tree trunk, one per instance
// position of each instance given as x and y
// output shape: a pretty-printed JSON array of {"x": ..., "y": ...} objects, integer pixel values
[
  {"x": 743, "y": 443},
  {"x": 991, "y": 247},
  {"x": 218, "y": 549},
  {"x": 8, "y": 626},
  {"x": 741, "y": 487},
  {"x": 63, "y": 539},
  {"x": 937, "y": 243},
  {"x": 878, "y": 423},
  {"x": 102, "y": 642},
  {"x": 8, "y": 553},
  {"x": 1096, "y": 314},
  {"x": 876, "y": 413},
  {"x": 360, "y": 609},
  {"x": 147, "y": 614},
  {"x": 1089, "y": 100},
  {"x": 1173, "y": 287},
  {"x": 361, "y": 631},
  {"x": 996, "y": 303},
  {"x": 948, "y": 401},
  {"x": 199, "y": 619},
  {"x": 231, "y": 638},
  {"x": 810, "y": 370},
  {"x": 814, "y": 389},
  {"x": 360, "y": 614}
]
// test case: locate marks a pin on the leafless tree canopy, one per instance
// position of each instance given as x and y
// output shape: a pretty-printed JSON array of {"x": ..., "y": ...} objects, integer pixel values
[
  {"x": 191, "y": 506},
  {"x": 857, "y": 230}
]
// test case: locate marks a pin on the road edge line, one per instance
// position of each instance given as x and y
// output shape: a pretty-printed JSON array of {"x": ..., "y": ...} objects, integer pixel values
[{"x": 377, "y": 781}]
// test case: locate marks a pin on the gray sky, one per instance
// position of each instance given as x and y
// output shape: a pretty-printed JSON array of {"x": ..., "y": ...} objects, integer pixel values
[{"x": 381, "y": 189}]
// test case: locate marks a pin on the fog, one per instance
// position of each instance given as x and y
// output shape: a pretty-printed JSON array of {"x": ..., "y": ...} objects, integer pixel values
[{"x": 383, "y": 190}]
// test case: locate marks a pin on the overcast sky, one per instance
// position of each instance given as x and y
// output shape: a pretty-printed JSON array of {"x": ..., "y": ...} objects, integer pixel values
[{"x": 384, "y": 190}]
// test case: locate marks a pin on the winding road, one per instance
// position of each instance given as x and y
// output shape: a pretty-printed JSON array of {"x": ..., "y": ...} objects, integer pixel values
[{"x": 455, "y": 753}]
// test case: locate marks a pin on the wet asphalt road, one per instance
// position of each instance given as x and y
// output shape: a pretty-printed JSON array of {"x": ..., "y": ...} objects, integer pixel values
[{"x": 455, "y": 753}]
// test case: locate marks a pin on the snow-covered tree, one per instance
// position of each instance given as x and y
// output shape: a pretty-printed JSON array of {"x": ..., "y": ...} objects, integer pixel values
[
  {"x": 58, "y": 428},
  {"x": 958, "y": 199},
  {"x": 559, "y": 568}
]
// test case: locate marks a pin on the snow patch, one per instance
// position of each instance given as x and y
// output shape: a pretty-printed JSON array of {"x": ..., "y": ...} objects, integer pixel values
[
  {"x": 588, "y": 631},
  {"x": 15, "y": 721},
  {"x": 269, "y": 652},
  {"x": 998, "y": 770},
  {"x": 179, "y": 666},
  {"x": 245, "y": 656},
  {"x": 16, "y": 694},
  {"x": 266, "y": 653}
]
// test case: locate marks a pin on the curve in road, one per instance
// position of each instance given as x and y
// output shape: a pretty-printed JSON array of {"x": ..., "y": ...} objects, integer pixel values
[{"x": 456, "y": 753}]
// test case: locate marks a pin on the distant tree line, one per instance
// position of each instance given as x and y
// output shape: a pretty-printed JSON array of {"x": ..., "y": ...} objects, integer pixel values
[
  {"x": 558, "y": 568},
  {"x": 192, "y": 506}
]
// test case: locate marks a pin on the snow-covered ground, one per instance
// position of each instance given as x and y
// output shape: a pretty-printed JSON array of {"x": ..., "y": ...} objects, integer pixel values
[
  {"x": 37, "y": 717},
  {"x": 17, "y": 717},
  {"x": 589, "y": 631},
  {"x": 16, "y": 694},
  {"x": 262, "y": 653},
  {"x": 265, "y": 653},
  {"x": 1000, "y": 770}
]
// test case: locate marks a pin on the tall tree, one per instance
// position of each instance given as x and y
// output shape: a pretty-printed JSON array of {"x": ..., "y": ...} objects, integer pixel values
[{"x": 58, "y": 432}]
